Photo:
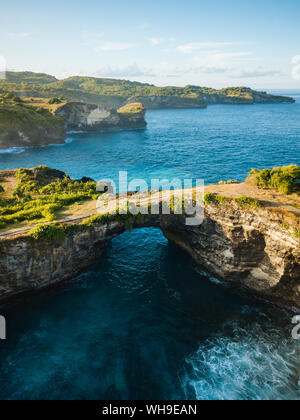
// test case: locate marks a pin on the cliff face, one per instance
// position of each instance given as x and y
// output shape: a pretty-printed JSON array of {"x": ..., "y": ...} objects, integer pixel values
[
  {"x": 238, "y": 245},
  {"x": 78, "y": 116},
  {"x": 168, "y": 102},
  {"x": 32, "y": 136},
  {"x": 264, "y": 98},
  {"x": 246, "y": 97},
  {"x": 23, "y": 126}
]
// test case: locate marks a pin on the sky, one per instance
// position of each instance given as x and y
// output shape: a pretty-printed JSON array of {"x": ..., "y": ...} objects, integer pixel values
[{"x": 213, "y": 43}]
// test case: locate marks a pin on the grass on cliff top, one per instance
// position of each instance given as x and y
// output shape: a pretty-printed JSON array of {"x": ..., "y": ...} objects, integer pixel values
[
  {"x": 15, "y": 114},
  {"x": 40, "y": 193},
  {"x": 58, "y": 231},
  {"x": 134, "y": 108},
  {"x": 50, "y": 105},
  {"x": 242, "y": 201},
  {"x": 285, "y": 179}
]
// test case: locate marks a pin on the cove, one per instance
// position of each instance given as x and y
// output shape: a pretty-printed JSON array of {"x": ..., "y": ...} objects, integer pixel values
[{"x": 143, "y": 322}]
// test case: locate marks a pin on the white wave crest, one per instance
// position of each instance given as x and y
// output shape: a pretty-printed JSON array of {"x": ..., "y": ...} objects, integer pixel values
[
  {"x": 246, "y": 365},
  {"x": 15, "y": 150}
]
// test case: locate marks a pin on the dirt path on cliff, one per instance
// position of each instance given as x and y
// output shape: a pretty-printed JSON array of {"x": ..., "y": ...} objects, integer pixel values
[{"x": 270, "y": 198}]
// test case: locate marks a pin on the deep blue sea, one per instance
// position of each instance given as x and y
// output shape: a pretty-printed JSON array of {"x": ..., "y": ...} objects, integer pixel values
[{"x": 144, "y": 322}]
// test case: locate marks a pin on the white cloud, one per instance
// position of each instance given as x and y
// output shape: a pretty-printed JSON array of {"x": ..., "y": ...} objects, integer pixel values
[
  {"x": 217, "y": 63},
  {"x": 296, "y": 67},
  {"x": 253, "y": 73},
  {"x": 196, "y": 46},
  {"x": 130, "y": 71},
  {"x": 19, "y": 34},
  {"x": 157, "y": 41},
  {"x": 112, "y": 46}
]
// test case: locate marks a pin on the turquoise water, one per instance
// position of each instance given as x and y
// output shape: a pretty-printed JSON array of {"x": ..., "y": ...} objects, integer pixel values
[{"x": 144, "y": 322}]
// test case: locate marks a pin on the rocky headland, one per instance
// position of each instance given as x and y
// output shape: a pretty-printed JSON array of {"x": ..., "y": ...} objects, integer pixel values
[
  {"x": 88, "y": 117},
  {"x": 23, "y": 123}
]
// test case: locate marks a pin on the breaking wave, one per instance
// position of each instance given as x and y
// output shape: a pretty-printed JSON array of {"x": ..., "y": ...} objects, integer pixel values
[
  {"x": 15, "y": 150},
  {"x": 244, "y": 364}
]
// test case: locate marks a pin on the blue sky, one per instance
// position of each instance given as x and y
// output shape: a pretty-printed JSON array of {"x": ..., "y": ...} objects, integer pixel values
[{"x": 168, "y": 42}]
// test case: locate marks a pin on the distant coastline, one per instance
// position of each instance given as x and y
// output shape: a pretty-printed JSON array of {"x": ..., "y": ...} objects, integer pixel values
[{"x": 36, "y": 109}]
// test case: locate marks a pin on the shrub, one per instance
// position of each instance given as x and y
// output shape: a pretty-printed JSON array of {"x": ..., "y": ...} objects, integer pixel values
[
  {"x": 54, "y": 101},
  {"x": 51, "y": 190},
  {"x": 54, "y": 232},
  {"x": 285, "y": 179},
  {"x": 228, "y": 182},
  {"x": 210, "y": 198},
  {"x": 247, "y": 202},
  {"x": 1, "y": 189}
]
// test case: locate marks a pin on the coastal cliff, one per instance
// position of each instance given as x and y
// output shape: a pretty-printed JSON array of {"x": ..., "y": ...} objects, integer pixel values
[
  {"x": 201, "y": 98},
  {"x": 22, "y": 126},
  {"x": 25, "y": 123},
  {"x": 243, "y": 96},
  {"x": 240, "y": 244},
  {"x": 168, "y": 102},
  {"x": 88, "y": 117}
]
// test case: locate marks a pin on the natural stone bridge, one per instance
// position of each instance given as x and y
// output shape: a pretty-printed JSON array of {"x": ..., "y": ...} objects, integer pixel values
[{"x": 237, "y": 244}]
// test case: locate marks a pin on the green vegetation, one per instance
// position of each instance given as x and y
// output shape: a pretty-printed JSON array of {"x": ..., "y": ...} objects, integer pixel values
[
  {"x": 57, "y": 231},
  {"x": 228, "y": 182},
  {"x": 243, "y": 201},
  {"x": 40, "y": 193},
  {"x": 134, "y": 108},
  {"x": 55, "y": 101},
  {"x": 1, "y": 189},
  {"x": 53, "y": 232},
  {"x": 113, "y": 92},
  {"x": 15, "y": 115},
  {"x": 29, "y": 77},
  {"x": 284, "y": 179},
  {"x": 210, "y": 198},
  {"x": 10, "y": 99},
  {"x": 290, "y": 229},
  {"x": 248, "y": 202}
]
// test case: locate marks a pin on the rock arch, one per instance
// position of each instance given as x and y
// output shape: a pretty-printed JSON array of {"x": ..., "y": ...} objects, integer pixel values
[{"x": 236, "y": 244}]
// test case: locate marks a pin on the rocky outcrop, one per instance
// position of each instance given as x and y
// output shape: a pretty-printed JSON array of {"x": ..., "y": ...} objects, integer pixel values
[
  {"x": 32, "y": 136},
  {"x": 22, "y": 126},
  {"x": 239, "y": 245},
  {"x": 87, "y": 117},
  {"x": 242, "y": 96},
  {"x": 264, "y": 98},
  {"x": 249, "y": 99},
  {"x": 168, "y": 102}
]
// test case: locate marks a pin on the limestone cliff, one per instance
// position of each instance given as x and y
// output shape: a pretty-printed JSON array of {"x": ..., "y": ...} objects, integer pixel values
[
  {"x": 202, "y": 97},
  {"x": 79, "y": 116},
  {"x": 22, "y": 125},
  {"x": 168, "y": 102},
  {"x": 246, "y": 97},
  {"x": 239, "y": 245}
]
